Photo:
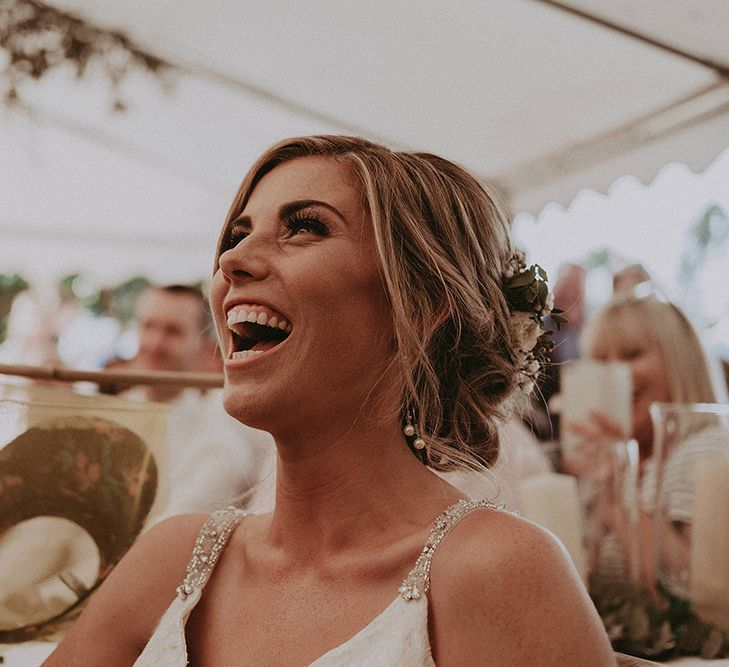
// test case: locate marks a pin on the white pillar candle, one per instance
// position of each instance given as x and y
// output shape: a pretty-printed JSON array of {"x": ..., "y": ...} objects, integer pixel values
[
  {"x": 709, "y": 561},
  {"x": 552, "y": 500}
]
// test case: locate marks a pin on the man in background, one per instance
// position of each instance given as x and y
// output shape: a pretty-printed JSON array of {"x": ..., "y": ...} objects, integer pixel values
[
  {"x": 213, "y": 458},
  {"x": 174, "y": 331},
  {"x": 630, "y": 277}
]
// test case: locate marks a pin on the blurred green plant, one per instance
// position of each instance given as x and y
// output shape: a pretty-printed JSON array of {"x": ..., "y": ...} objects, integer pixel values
[
  {"x": 117, "y": 301},
  {"x": 11, "y": 284},
  {"x": 124, "y": 297}
]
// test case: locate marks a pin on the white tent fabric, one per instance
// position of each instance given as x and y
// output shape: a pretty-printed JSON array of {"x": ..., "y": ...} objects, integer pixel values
[{"x": 542, "y": 98}]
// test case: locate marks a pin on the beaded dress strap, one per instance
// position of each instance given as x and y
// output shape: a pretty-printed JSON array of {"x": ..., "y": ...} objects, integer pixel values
[
  {"x": 418, "y": 580},
  {"x": 209, "y": 544}
]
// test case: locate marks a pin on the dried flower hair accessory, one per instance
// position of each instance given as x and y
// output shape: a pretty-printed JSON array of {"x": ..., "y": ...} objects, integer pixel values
[{"x": 530, "y": 300}]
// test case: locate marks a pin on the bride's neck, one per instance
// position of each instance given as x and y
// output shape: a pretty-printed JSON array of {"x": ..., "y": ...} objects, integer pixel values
[{"x": 341, "y": 487}]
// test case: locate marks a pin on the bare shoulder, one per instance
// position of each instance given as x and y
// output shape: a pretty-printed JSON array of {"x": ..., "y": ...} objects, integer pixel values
[
  {"x": 504, "y": 590},
  {"x": 124, "y": 611}
]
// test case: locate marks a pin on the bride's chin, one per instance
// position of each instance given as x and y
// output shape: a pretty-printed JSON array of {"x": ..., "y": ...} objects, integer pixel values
[{"x": 247, "y": 408}]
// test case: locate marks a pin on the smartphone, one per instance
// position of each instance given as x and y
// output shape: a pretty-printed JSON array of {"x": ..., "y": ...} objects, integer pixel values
[{"x": 587, "y": 386}]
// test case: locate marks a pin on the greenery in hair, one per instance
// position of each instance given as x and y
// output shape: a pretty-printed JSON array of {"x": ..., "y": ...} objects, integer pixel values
[
  {"x": 529, "y": 299},
  {"x": 526, "y": 291}
]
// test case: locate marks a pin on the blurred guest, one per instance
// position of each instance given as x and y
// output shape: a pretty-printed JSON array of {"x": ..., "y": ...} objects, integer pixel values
[
  {"x": 32, "y": 330},
  {"x": 666, "y": 358},
  {"x": 569, "y": 296},
  {"x": 628, "y": 278},
  {"x": 213, "y": 458},
  {"x": 172, "y": 324},
  {"x": 668, "y": 364}
]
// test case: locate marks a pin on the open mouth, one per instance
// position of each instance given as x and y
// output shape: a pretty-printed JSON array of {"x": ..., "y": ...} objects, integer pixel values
[{"x": 255, "y": 329}]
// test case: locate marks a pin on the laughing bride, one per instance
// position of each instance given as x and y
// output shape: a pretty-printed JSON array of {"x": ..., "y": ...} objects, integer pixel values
[{"x": 374, "y": 318}]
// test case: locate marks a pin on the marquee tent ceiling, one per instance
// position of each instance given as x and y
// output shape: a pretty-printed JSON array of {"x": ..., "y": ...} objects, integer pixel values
[{"x": 542, "y": 98}]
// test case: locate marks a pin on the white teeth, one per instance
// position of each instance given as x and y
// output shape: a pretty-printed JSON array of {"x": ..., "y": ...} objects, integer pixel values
[
  {"x": 241, "y": 314},
  {"x": 238, "y": 315},
  {"x": 245, "y": 354}
]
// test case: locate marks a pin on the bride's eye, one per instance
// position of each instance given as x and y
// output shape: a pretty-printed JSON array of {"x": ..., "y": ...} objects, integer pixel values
[
  {"x": 306, "y": 222},
  {"x": 234, "y": 236}
]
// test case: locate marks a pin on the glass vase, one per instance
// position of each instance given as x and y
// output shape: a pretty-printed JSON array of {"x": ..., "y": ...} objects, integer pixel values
[{"x": 685, "y": 508}]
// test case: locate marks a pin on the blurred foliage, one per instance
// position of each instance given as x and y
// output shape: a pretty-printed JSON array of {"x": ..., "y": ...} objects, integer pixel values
[
  {"x": 708, "y": 233},
  {"x": 117, "y": 301},
  {"x": 658, "y": 629},
  {"x": 38, "y": 38},
  {"x": 603, "y": 257},
  {"x": 123, "y": 297},
  {"x": 11, "y": 284},
  {"x": 702, "y": 265}
]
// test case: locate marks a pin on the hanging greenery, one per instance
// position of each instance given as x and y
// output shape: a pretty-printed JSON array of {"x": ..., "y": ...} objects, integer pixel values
[{"x": 38, "y": 38}]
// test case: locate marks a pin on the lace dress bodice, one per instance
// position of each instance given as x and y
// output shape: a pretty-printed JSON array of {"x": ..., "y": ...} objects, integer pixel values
[{"x": 397, "y": 636}]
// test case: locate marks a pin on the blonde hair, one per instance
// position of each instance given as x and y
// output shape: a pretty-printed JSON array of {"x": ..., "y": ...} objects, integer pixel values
[
  {"x": 645, "y": 321},
  {"x": 442, "y": 242}
]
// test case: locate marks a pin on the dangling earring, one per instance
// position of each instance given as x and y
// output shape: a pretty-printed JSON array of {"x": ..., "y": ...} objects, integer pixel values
[{"x": 409, "y": 431}]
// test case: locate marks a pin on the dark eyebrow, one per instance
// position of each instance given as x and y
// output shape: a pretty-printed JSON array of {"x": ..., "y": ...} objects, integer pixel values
[
  {"x": 292, "y": 207},
  {"x": 285, "y": 211}
]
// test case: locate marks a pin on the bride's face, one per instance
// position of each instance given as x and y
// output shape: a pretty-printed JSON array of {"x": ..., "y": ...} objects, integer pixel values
[{"x": 304, "y": 324}]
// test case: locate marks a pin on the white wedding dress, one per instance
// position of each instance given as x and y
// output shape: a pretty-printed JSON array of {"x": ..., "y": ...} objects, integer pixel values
[{"x": 397, "y": 636}]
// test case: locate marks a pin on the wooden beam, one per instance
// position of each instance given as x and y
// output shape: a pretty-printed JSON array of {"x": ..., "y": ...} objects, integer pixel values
[{"x": 113, "y": 377}]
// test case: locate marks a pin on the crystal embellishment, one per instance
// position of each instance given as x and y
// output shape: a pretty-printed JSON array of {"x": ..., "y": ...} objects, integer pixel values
[
  {"x": 209, "y": 544},
  {"x": 418, "y": 580}
]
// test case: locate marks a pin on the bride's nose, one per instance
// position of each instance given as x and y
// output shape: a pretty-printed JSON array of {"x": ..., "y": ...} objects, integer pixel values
[{"x": 249, "y": 258}]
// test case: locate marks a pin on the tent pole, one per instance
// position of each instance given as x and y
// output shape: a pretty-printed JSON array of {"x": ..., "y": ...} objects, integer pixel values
[
  {"x": 584, "y": 154},
  {"x": 720, "y": 69}
]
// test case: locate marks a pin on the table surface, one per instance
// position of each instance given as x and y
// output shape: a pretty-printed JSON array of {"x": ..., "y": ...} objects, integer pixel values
[{"x": 32, "y": 654}]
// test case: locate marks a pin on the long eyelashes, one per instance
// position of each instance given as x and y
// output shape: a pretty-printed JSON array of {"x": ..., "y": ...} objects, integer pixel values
[
  {"x": 299, "y": 223},
  {"x": 306, "y": 222},
  {"x": 234, "y": 236}
]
